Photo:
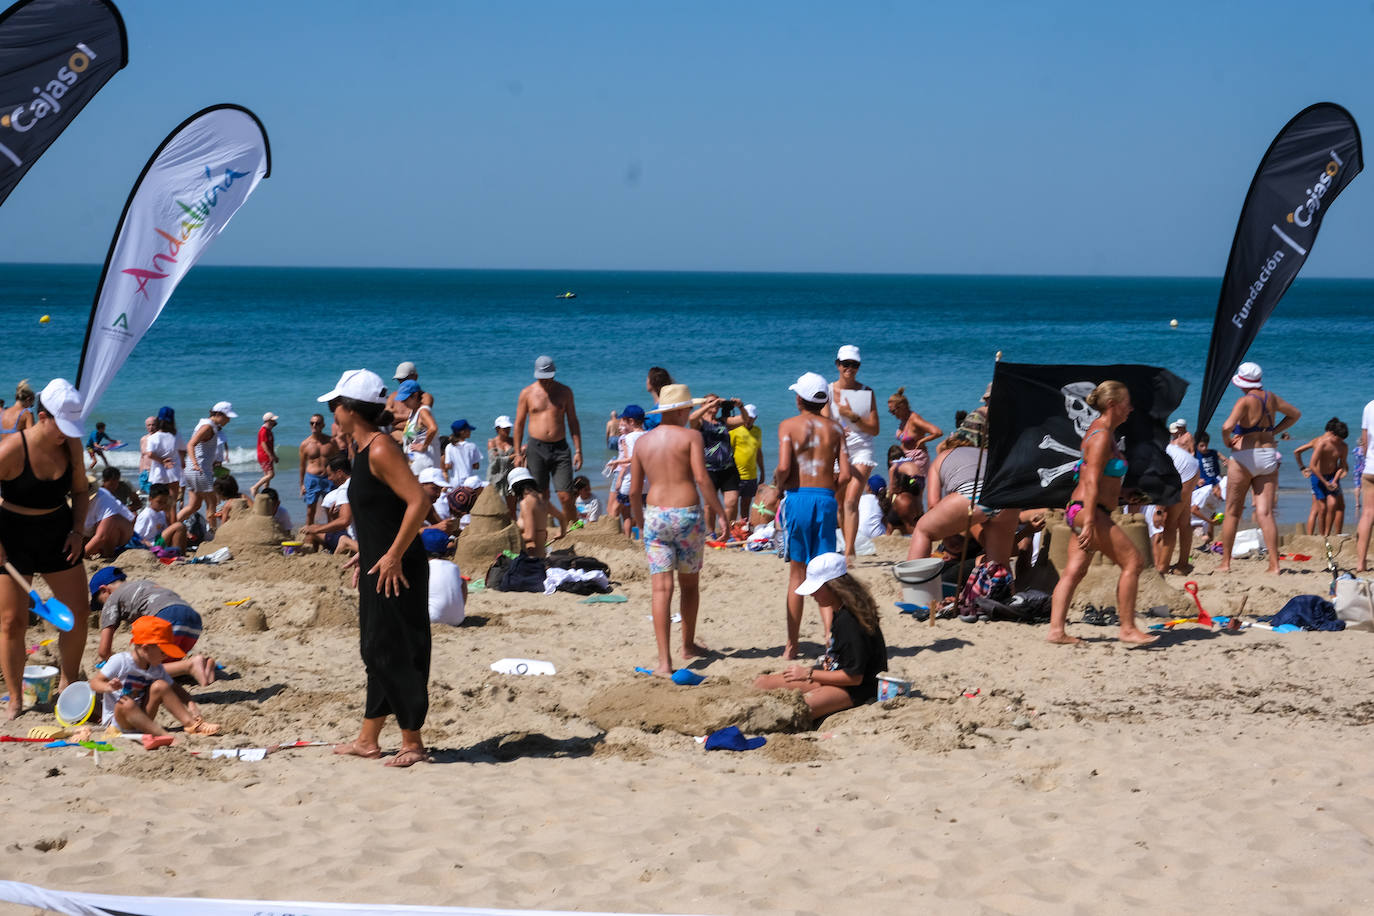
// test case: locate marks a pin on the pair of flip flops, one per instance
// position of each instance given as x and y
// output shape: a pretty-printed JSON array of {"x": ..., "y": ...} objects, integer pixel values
[{"x": 1100, "y": 616}]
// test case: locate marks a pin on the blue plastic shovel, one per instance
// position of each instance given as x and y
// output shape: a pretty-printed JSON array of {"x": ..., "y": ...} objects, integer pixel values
[{"x": 52, "y": 610}]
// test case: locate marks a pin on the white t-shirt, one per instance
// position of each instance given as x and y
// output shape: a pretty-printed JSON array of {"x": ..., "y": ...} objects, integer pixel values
[
  {"x": 149, "y": 524},
  {"x": 627, "y": 444},
  {"x": 446, "y": 603},
  {"x": 333, "y": 499},
  {"x": 464, "y": 458},
  {"x": 1210, "y": 500},
  {"x": 1185, "y": 462},
  {"x": 163, "y": 447},
  {"x": 589, "y": 509},
  {"x": 134, "y": 681},
  {"x": 1367, "y": 424},
  {"x": 442, "y": 508},
  {"x": 871, "y": 516},
  {"x": 103, "y": 505}
]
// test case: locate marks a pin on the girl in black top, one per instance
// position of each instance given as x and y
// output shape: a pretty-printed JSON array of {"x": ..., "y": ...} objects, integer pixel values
[
  {"x": 389, "y": 509},
  {"x": 40, "y": 469},
  {"x": 847, "y": 674}
]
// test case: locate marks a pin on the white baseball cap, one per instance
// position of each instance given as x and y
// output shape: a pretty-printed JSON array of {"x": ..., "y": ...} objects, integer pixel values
[
  {"x": 225, "y": 408},
  {"x": 269, "y": 417},
  {"x": 811, "y": 387},
  {"x": 848, "y": 351},
  {"x": 1249, "y": 375},
  {"x": 1178, "y": 425},
  {"x": 405, "y": 370},
  {"x": 503, "y": 422},
  {"x": 821, "y": 570},
  {"x": 516, "y": 475},
  {"x": 434, "y": 476},
  {"x": 358, "y": 384},
  {"x": 64, "y": 404},
  {"x": 751, "y": 411}
]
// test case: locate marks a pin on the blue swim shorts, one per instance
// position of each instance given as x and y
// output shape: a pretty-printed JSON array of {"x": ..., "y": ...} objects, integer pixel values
[
  {"x": 811, "y": 519},
  {"x": 316, "y": 487}
]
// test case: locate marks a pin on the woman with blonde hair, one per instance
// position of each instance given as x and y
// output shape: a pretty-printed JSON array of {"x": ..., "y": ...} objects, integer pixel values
[
  {"x": 847, "y": 675},
  {"x": 1099, "y": 477},
  {"x": 18, "y": 415}
]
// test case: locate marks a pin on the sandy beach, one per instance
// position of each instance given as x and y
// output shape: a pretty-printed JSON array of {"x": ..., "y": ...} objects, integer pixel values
[{"x": 1214, "y": 772}]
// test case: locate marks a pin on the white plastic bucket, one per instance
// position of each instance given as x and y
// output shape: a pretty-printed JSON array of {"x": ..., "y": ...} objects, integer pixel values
[
  {"x": 1247, "y": 542},
  {"x": 891, "y": 687},
  {"x": 76, "y": 704},
  {"x": 39, "y": 681},
  {"x": 920, "y": 581}
]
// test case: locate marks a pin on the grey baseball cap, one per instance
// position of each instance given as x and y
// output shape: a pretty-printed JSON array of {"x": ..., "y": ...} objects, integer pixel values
[{"x": 543, "y": 367}]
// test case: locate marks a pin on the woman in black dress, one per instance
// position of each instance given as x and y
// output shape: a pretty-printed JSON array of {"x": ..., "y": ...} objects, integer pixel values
[{"x": 393, "y": 587}]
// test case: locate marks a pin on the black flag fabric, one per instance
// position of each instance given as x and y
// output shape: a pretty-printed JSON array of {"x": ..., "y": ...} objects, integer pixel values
[
  {"x": 1311, "y": 161},
  {"x": 1037, "y": 416},
  {"x": 54, "y": 56}
]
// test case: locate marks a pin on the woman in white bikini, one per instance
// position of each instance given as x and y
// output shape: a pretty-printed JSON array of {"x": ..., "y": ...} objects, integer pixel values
[
  {"x": 859, "y": 431},
  {"x": 1254, "y": 464}
]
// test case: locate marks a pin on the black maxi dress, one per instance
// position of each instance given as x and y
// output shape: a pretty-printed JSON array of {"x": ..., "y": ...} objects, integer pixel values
[{"x": 394, "y": 632}]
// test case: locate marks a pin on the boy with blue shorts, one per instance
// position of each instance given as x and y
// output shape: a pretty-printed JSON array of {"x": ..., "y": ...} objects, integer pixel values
[{"x": 810, "y": 450}]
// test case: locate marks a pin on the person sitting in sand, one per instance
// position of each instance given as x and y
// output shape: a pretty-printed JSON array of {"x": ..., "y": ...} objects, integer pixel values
[
  {"x": 120, "y": 600},
  {"x": 588, "y": 506},
  {"x": 109, "y": 523},
  {"x": 532, "y": 511},
  {"x": 448, "y": 590},
  {"x": 1089, "y": 513},
  {"x": 152, "y": 527},
  {"x": 1327, "y": 468},
  {"x": 668, "y": 482},
  {"x": 336, "y": 533},
  {"x": 231, "y": 501},
  {"x": 847, "y": 675},
  {"x": 136, "y": 684}
]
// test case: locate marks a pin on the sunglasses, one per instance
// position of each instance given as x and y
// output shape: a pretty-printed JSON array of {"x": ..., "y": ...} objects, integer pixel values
[{"x": 848, "y": 364}]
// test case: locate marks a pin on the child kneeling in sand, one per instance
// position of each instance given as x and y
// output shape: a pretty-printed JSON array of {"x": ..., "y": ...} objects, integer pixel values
[
  {"x": 533, "y": 510},
  {"x": 847, "y": 675},
  {"x": 135, "y": 684}
]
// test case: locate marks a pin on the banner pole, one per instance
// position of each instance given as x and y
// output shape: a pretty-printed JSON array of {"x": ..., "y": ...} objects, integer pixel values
[{"x": 968, "y": 519}]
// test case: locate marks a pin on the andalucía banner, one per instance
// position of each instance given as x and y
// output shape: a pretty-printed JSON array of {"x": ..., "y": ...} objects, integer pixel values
[
  {"x": 1311, "y": 161},
  {"x": 196, "y": 181},
  {"x": 54, "y": 56}
]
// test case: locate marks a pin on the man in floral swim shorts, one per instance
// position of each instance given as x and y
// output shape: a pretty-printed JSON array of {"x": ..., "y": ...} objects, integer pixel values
[{"x": 670, "y": 462}]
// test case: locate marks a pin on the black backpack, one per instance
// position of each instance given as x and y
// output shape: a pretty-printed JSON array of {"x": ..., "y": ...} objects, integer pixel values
[{"x": 526, "y": 574}]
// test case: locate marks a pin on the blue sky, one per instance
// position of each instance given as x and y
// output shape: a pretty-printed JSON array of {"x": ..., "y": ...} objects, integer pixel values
[{"x": 1047, "y": 138}]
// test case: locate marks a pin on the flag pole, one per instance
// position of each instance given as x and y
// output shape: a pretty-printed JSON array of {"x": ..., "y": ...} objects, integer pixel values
[{"x": 968, "y": 519}]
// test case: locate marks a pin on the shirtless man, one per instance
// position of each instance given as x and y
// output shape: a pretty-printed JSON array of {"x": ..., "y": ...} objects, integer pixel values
[
  {"x": 315, "y": 451},
  {"x": 672, "y": 459},
  {"x": 1325, "y": 471},
  {"x": 545, "y": 404},
  {"x": 809, "y": 445}
]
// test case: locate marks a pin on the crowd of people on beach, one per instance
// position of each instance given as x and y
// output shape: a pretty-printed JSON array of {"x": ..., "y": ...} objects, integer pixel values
[{"x": 382, "y": 487}]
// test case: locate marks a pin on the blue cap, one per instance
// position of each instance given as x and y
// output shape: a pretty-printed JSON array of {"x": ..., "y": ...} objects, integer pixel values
[
  {"x": 166, "y": 413},
  {"x": 731, "y": 739},
  {"x": 103, "y": 577},
  {"x": 408, "y": 388},
  {"x": 435, "y": 541},
  {"x": 459, "y": 425},
  {"x": 876, "y": 483},
  {"x": 632, "y": 412}
]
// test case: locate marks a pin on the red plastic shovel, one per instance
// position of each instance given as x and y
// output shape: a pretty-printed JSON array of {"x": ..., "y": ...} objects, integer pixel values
[{"x": 1202, "y": 616}]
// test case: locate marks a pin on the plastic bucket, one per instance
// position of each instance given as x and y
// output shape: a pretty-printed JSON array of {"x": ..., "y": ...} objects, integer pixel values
[
  {"x": 76, "y": 704},
  {"x": 920, "y": 580},
  {"x": 890, "y": 687},
  {"x": 39, "y": 681},
  {"x": 291, "y": 548}
]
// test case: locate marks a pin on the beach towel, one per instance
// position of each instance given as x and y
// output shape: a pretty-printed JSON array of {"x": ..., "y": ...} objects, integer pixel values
[{"x": 1310, "y": 612}]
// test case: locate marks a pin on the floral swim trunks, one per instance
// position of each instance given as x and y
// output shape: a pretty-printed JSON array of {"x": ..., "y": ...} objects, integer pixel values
[{"x": 674, "y": 538}]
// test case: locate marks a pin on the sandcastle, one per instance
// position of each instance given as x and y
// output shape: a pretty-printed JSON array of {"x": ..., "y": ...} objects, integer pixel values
[{"x": 490, "y": 532}]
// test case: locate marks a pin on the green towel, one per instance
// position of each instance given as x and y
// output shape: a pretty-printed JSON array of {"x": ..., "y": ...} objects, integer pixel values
[{"x": 604, "y": 599}]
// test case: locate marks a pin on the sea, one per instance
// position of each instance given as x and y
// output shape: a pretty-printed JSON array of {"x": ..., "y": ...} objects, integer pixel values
[{"x": 273, "y": 339}]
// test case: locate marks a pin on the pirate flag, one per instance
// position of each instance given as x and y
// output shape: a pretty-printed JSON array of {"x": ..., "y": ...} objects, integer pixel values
[{"x": 1037, "y": 417}]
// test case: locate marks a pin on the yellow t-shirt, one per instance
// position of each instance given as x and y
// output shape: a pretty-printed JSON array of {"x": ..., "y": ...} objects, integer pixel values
[{"x": 746, "y": 441}]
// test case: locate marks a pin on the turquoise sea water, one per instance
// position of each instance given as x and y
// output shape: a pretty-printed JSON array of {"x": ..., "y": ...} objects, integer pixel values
[{"x": 275, "y": 338}]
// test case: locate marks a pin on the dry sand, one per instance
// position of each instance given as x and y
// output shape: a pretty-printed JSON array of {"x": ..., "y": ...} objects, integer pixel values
[{"x": 1213, "y": 773}]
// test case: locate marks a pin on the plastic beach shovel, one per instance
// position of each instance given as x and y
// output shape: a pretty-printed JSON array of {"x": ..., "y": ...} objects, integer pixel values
[
  {"x": 1202, "y": 618},
  {"x": 52, "y": 610}
]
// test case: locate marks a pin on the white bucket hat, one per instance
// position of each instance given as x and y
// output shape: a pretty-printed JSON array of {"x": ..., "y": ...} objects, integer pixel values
[{"x": 1249, "y": 375}]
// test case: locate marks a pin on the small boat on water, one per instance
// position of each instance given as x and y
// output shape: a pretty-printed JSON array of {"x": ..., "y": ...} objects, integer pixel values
[{"x": 567, "y": 295}]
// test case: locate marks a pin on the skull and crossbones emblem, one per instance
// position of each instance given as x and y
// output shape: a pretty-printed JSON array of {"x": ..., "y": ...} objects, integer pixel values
[{"x": 1076, "y": 409}]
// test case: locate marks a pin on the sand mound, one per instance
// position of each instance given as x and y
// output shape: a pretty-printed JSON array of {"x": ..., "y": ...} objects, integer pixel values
[
  {"x": 657, "y": 704},
  {"x": 249, "y": 531},
  {"x": 489, "y": 534},
  {"x": 604, "y": 533}
]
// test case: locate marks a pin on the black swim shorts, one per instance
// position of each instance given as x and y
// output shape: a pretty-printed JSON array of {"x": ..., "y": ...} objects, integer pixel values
[{"x": 545, "y": 459}]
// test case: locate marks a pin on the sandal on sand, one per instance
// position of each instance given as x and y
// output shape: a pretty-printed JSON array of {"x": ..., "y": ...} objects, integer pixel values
[
  {"x": 405, "y": 758},
  {"x": 201, "y": 727}
]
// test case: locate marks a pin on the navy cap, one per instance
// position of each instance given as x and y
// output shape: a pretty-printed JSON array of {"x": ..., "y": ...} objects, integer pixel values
[
  {"x": 632, "y": 412},
  {"x": 103, "y": 577},
  {"x": 459, "y": 425},
  {"x": 166, "y": 413},
  {"x": 435, "y": 541}
]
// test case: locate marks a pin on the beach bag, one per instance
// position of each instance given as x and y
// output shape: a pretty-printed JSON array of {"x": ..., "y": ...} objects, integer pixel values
[
  {"x": 1311, "y": 612},
  {"x": 526, "y": 574},
  {"x": 988, "y": 580},
  {"x": 567, "y": 558},
  {"x": 1355, "y": 603},
  {"x": 496, "y": 571}
]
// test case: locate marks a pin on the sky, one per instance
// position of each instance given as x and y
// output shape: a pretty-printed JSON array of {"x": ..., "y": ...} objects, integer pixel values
[{"x": 901, "y": 137}]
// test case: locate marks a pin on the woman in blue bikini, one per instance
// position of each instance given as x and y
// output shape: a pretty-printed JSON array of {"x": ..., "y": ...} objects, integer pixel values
[{"x": 1089, "y": 513}]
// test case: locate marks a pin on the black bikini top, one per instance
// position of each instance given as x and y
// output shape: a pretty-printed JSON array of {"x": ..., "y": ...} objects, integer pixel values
[{"x": 29, "y": 491}]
